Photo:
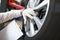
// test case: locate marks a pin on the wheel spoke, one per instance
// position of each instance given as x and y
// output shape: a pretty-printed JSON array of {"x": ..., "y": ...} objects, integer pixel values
[
  {"x": 41, "y": 4},
  {"x": 38, "y": 23},
  {"x": 31, "y": 28}
]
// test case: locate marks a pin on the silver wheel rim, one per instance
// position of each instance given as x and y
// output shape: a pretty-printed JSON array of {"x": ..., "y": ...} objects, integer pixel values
[{"x": 39, "y": 22}]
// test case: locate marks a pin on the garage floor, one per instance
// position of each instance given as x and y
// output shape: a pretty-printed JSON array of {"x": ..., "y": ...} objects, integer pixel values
[{"x": 19, "y": 22}]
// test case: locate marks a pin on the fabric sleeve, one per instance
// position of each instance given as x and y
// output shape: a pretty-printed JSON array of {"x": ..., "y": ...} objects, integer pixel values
[{"x": 9, "y": 15}]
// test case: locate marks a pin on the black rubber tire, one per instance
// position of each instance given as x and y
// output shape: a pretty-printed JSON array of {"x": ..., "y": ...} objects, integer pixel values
[
  {"x": 3, "y": 5},
  {"x": 51, "y": 26}
]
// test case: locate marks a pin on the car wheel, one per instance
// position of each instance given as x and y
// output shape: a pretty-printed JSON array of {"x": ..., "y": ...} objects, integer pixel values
[{"x": 39, "y": 24}]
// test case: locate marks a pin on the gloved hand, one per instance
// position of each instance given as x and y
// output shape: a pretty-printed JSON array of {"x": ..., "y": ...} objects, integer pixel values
[{"x": 28, "y": 13}]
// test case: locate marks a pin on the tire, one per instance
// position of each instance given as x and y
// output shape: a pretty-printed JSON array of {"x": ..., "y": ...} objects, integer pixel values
[
  {"x": 3, "y": 5},
  {"x": 49, "y": 30}
]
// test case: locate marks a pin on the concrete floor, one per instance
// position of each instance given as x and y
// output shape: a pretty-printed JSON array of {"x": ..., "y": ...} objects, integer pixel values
[{"x": 19, "y": 22}]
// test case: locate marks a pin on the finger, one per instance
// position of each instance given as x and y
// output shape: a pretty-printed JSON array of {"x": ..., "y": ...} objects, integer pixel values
[
  {"x": 30, "y": 11},
  {"x": 33, "y": 13},
  {"x": 24, "y": 17},
  {"x": 28, "y": 15}
]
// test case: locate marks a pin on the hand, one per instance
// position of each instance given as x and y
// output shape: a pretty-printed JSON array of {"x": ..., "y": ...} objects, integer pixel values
[{"x": 28, "y": 13}]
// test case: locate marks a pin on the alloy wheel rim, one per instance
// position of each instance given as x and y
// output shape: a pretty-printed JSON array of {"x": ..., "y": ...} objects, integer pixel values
[{"x": 37, "y": 20}]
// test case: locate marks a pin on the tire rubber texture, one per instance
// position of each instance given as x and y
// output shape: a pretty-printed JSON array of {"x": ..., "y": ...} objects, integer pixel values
[
  {"x": 3, "y": 5},
  {"x": 51, "y": 26}
]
